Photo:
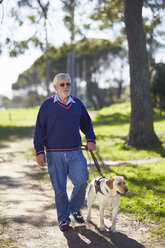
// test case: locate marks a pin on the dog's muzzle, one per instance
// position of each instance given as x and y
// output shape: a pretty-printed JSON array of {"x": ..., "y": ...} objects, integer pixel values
[{"x": 125, "y": 191}]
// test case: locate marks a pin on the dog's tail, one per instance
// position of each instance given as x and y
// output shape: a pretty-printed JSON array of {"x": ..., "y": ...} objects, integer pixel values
[
  {"x": 90, "y": 188},
  {"x": 91, "y": 194}
]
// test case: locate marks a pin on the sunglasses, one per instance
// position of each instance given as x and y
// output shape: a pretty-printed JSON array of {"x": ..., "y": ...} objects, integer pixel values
[{"x": 65, "y": 84}]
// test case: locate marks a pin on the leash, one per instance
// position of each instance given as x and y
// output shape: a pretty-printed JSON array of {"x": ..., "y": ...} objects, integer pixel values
[
  {"x": 97, "y": 181},
  {"x": 83, "y": 147},
  {"x": 96, "y": 163},
  {"x": 103, "y": 162}
]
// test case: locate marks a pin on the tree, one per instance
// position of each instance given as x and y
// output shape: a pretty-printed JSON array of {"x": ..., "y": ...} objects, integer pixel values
[
  {"x": 69, "y": 7},
  {"x": 158, "y": 86},
  {"x": 69, "y": 21},
  {"x": 141, "y": 131}
]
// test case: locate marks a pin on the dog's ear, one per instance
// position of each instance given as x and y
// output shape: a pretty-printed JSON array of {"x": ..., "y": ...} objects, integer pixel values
[{"x": 109, "y": 182}]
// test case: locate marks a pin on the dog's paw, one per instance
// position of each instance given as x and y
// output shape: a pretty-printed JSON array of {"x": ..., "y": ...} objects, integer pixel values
[
  {"x": 113, "y": 229},
  {"x": 88, "y": 218},
  {"x": 102, "y": 228}
]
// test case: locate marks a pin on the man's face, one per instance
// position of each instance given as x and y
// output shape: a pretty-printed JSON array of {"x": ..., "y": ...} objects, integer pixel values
[{"x": 63, "y": 88}]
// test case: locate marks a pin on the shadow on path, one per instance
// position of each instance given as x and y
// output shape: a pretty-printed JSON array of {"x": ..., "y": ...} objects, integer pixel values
[{"x": 83, "y": 237}]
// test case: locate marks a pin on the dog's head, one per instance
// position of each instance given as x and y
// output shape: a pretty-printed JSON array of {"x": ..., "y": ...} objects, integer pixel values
[{"x": 117, "y": 184}]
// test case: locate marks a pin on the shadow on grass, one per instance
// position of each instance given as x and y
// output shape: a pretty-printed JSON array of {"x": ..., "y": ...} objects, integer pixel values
[
  {"x": 159, "y": 149},
  {"x": 112, "y": 137},
  {"x": 114, "y": 119},
  {"x": 158, "y": 117},
  {"x": 118, "y": 118},
  {"x": 8, "y": 132}
]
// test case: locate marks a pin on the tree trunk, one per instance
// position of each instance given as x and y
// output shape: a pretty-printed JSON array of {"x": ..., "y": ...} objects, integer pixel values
[{"x": 141, "y": 131}]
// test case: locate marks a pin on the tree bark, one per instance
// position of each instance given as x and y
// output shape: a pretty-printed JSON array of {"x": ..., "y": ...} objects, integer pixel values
[{"x": 141, "y": 131}]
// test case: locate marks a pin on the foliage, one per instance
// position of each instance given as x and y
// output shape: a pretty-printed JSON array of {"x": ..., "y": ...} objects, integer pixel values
[
  {"x": 42, "y": 17},
  {"x": 110, "y": 14},
  {"x": 158, "y": 85},
  {"x": 38, "y": 17},
  {"x": 69, "y": 8}
]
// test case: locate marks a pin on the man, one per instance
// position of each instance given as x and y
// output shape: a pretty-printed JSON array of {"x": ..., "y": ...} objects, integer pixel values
[{"x": 57, "y": 129}]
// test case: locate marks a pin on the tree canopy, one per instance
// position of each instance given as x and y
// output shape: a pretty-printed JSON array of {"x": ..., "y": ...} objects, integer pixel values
[{"x": 96, "y": 53}]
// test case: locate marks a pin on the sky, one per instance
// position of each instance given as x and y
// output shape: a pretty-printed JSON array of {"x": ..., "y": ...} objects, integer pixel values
[{"x": 10, "y": 68}]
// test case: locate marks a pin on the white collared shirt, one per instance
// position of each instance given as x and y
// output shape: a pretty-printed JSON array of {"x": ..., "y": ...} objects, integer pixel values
[{"x": 70, "y": 99}]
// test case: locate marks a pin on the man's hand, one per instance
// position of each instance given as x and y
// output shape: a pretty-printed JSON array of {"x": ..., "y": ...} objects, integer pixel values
[
  {"x": 91, "y": 146},
  {"x": 41, "y": 159}
]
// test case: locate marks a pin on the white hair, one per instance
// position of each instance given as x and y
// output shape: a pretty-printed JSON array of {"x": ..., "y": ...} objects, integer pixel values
[{"x": 61, "y": 75}]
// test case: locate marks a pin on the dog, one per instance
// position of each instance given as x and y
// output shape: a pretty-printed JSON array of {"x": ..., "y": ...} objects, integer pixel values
[{"x": 108, "y": 192}]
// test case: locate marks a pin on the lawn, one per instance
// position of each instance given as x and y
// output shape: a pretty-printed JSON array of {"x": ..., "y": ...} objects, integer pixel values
[
  {"x": 111, "y": 126},
  {"x": 17, "y": 123},
  {"x": 145, "y": 198}
]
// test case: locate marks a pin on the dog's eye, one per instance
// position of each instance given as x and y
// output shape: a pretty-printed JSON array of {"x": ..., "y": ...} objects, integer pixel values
[{"x": 119, "y": 183}]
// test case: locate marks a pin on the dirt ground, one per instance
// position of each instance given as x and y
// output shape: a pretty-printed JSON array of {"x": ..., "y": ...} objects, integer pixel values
[{"x": 28, "y": 205}]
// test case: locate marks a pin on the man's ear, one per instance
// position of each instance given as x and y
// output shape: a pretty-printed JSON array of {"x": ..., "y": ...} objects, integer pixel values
[
  {"x": 55, "y": 87},
  {"x": 109, "y": 182}
]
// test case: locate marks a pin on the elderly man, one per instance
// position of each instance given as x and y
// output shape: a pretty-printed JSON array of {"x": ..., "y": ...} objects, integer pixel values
[{"x": 57, "y": 129}]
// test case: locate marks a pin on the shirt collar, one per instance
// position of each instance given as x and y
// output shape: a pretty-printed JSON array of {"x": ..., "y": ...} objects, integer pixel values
[{"x": 70, "y": 99}]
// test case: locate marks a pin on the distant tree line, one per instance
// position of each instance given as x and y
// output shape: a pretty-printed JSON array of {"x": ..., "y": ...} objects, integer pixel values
[{"x": 93, "y": 57}]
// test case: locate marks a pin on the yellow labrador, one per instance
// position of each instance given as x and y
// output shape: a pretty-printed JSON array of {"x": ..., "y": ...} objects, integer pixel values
[{"x": 108, "y": 192}]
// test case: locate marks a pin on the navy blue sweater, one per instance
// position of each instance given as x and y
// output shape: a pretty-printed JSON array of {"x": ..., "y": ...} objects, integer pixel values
[{"x": 57, "y": 126}]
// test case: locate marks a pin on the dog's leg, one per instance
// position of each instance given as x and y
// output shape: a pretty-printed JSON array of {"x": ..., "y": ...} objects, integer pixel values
[
  {"x": 91, "y": 195},
  {"x": 101, "y": 207},
  {"x": 114, "y": 218}
]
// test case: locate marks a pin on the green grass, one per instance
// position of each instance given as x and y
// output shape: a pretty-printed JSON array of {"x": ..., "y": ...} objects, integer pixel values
[
  {"x": 5, "y": 240},
  {"x": 7, "y": 243},
  {"x": 111, "y": 125},
  {"x": 18, "y": 117},
  {"x": 17, "y": 123}
]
